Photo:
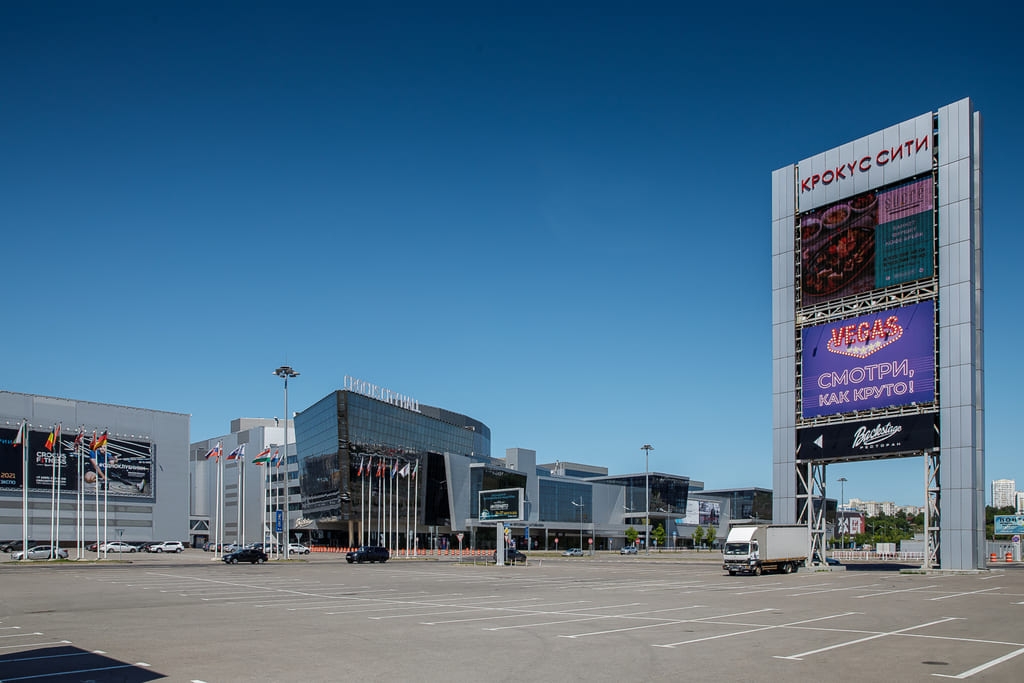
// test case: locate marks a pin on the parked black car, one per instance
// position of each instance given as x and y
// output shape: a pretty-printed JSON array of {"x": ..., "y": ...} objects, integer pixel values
[
  {"x": 512, "y": 556},
  {"x": 368, "y": 553},
  {"x": 246, "y": 555}
]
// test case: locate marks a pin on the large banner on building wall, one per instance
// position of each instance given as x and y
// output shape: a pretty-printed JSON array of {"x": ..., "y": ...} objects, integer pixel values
[
  {"x": 872, "y": 240},
  {"x": 877, "y": 360},
  {"x": 126, "y": 466}
]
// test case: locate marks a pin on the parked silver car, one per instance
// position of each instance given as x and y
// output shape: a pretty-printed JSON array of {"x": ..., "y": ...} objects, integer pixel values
[{"x": 41, "y": 552}]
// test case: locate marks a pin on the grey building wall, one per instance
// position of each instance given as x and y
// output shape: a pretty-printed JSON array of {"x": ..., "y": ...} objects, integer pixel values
[{"x": 164, "y": 519}]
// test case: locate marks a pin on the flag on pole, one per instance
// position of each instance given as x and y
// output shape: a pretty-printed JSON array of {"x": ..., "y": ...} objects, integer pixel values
[
  {"x": 212, "y": 453},
  {"x": 276, "y": 459},
  {"x": 53, "y": 438},
  {"x": 92, "y": 444},
  {"x": 101, "y": 442},
  {"x": 237, "y": 454},
  {"x": 394, "y": 469},
  {"x": 416, "y": 469},
  {"x": 263, "y": 457},
  {"x": 20, "y": 438},
  {"x": 380, "y": 468},
  {"x": 404, "y": 471},
  {"x": 362, "y": 461},
  {"x": 78, "y": 439}
]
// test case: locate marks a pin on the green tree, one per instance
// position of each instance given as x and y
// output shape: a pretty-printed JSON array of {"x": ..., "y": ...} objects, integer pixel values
[
  {"x": 698, "y": 537},
  {"x": 631, "y": 535},
  {"x": 711, "y": 535},
  {"x": 658, "y": 534}
]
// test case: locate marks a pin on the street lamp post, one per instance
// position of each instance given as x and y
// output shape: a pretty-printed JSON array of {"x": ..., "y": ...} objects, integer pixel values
[
  {"x": 647, "y": 448},
  {"x": 285, "y": 372},
  {"x": 842, "y": 505},
  {"x": 580, "y": 506}
]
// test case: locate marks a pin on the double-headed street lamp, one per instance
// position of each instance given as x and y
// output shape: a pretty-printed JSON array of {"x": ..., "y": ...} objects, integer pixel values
[
  {"x": 286, "y": 372},
  {"x": 580, "y": 506},
  {"x": 647, "y": 448}
]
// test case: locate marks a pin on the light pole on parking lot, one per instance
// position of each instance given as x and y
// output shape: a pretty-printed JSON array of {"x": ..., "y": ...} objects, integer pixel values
[
  {"x": 579, "y": 505},
  {"x": 286, "y": 372},
  {"x": 647, "y": 448}
]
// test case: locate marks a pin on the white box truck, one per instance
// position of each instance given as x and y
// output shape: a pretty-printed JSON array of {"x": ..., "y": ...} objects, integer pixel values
[{"x": 754, "y": 548}]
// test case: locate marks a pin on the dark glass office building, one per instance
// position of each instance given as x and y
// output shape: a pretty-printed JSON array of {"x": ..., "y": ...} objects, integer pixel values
[{"x": 363, "y": 460}]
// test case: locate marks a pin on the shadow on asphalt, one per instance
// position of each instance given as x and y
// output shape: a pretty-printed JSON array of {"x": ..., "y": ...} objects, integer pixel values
[{"x": 68, "y": 663}]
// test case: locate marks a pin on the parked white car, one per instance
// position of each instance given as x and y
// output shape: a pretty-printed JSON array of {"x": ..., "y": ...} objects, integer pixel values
[
  {"x": 297, "y": 549},
  {"x": 117, "y": 547},
  {"x": 41, "y": 552},
  {"x": 166, "y": 547}
]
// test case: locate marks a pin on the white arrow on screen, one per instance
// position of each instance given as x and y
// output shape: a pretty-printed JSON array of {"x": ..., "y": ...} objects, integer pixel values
[{"x": 819, "y": 441}]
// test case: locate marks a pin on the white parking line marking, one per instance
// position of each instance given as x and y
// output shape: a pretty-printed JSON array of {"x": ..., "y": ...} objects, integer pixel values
[
  {"x": 958, "y": 595},
  {"x": 661, "y": 622},
  {"x": 68, "y": 673},
  {"x": 982, "y": 667},
  {"x": 53, "y": 642},
  {"x": 800, "y": 656},
  {"x": 894, "y": 591},
  {"x": 752, "y": 630}
]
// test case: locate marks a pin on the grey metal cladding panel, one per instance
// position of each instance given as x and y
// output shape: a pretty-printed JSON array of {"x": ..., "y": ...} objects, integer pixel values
[
  {"x": 876, "y": 175},
  {"x": 862, "y": 148},
  {"x": 782, "y": 270},
  {"x": 782, "y": 192},
  {"x": 782, "y": 236}
]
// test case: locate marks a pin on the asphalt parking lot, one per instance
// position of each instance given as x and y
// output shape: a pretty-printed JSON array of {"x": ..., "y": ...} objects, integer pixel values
[{"x": 189, "y": 618}]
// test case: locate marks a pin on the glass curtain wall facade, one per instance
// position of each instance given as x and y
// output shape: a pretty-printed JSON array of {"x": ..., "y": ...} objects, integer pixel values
[{"x": 357, "y": 454}]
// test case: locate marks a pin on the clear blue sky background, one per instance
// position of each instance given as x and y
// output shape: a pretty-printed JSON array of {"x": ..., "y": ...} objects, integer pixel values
[{"x": 556, "y": 221}]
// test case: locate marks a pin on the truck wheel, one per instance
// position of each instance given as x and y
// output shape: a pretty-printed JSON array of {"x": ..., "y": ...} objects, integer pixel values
[
  {"x": 757, "y": 571},
  {"x": 732, "y": 573},
  {"x": 787, "y": 568}
]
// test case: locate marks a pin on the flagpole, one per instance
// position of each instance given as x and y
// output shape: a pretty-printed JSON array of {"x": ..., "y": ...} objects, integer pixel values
[
  {"x": 96, "y": 494},
  {"x": 223, "y": 497},
  {"x": 416, "y": 507},
  {"x": 79, "y": 493},
  {"x": 53, "y": 483},
  {"x": 56, "y": 454},
  {"x": 23, "y": 436},
  {"x": 408, "y": 492},
  {"x": 106, "y": 493}
]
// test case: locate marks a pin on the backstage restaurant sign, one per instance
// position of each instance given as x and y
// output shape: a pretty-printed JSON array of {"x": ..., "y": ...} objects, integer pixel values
[{"x": 892, "y": 436}]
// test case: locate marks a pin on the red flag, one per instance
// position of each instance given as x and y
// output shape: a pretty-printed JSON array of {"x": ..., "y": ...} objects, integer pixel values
[
  {"x": 79, "y": 439},
  {"x": 92, "y": 444},
  {"x": 380, "y": 468}
]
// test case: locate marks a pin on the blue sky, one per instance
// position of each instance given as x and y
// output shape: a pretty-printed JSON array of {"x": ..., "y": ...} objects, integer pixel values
[{"x": 556, "y": 221}]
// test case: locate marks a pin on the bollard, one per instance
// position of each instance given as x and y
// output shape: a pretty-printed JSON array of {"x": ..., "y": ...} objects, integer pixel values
[
  {"x": 992, "y": 557},
  {"x": 1009, "y": 557}
]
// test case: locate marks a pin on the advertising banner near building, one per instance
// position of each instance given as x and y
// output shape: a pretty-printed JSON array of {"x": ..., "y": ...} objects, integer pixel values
[
  {"x": 126, "y": 465},
  {"x": 869, "y": 439},
  {"x": 877, "y": 360},
  {"x": 870, "y": 241},
  {"x": 1008, "y": 525},
  {"x": 502, "y": 504},
  {"x": 701, "y": 513}
]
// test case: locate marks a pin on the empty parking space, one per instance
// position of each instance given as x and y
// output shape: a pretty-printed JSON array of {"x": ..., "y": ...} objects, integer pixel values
[{"x": 666, "y": 614}]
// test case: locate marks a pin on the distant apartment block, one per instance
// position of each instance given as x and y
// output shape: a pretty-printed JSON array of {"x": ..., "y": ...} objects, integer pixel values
[{"x": 1003, "y": 492}]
